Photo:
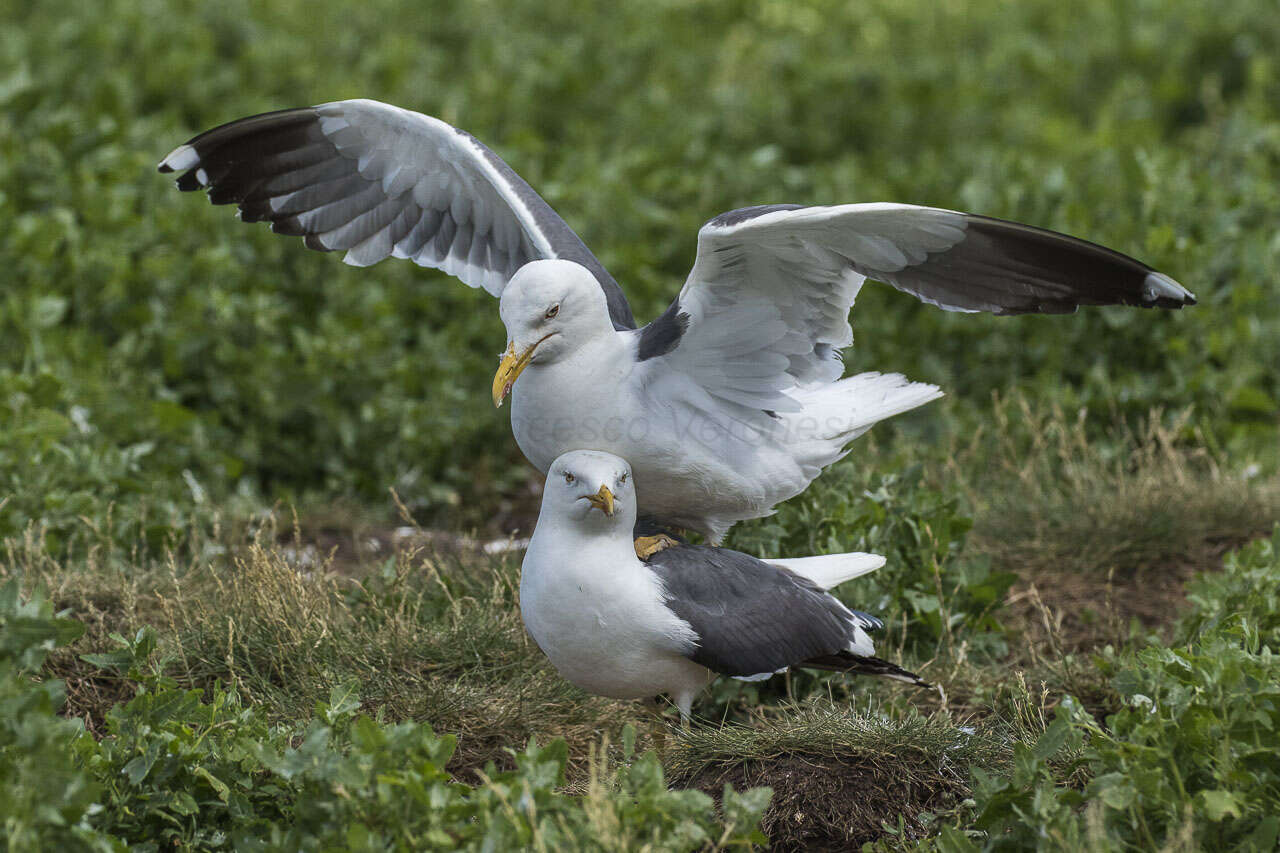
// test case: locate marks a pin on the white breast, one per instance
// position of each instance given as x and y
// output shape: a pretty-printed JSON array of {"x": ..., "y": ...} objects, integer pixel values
[
  {"x": 581, "y": 402},
  {"x": 598, "y": 614},
  {"x": 691, "y": 471}
]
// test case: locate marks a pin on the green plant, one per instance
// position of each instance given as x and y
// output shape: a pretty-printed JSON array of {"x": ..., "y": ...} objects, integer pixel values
[
  {"x": 1245, "y": 594},
  {"x": 927, "y": 588},
  {"x": 46, "y": 799},
  {"x": 213, "y": 775},
  {"x": 1188, "y": 761}
]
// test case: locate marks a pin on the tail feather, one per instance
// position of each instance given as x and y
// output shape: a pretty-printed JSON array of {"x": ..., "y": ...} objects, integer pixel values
[
  {"x": 830, "y": 570},
  {"x": 865, "y": 665},
  {"x": 833, "y": 415}
]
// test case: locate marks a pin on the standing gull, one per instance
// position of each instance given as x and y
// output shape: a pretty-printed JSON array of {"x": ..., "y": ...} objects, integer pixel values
[
  {"x": 617, "y": 626},
  {"x": 728, "y": 403}
]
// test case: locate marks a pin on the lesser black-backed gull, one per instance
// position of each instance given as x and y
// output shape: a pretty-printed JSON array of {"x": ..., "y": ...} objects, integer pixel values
[{"x": 617, "y": 626}]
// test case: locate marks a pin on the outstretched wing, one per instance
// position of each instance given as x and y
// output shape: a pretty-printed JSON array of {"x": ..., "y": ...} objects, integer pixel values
[
  {"x": 765, "y": 308},
  {"x": 377, "y": 181},
  {"x": 753, "y": 619}
]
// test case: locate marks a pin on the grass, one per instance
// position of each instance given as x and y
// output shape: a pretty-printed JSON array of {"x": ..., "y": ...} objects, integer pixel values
[
  {"x": 1156, "y": 497},
  {"x": 427, "y": 638},
  {"x": 839, "y": 774},
  {"x": 434, "y": 635}
]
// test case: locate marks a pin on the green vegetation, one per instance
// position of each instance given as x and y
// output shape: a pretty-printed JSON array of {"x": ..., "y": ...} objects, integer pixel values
[
  {"x": 175, "y": 769},
  {"x": 1188, "y": 762},
  {"x": 186, "y": 659}
]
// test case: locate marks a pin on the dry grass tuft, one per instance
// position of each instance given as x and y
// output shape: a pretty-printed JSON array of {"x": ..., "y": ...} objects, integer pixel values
[
  {"x": 430, "y": 638},
  {"x": 1048, "y": 499}
]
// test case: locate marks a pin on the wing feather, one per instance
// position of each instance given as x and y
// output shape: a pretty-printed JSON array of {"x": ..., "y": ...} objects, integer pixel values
[
  {"x": 772, "y": 286},
  {"x": 752, "y": 618},
  {"x": 378, "y": 181}
]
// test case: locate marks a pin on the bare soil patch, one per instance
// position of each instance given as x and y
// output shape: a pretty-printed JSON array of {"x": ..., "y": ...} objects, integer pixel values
[{"x": 1074, "y": 611}]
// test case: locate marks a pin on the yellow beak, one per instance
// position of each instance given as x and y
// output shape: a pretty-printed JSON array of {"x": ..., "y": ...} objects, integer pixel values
[
  {"x": 512, "y": 366},
  {"x": 603, "y": 500}
]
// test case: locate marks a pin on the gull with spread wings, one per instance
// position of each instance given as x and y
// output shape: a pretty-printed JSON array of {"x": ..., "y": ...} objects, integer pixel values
[{"x": 733, "y": 399}]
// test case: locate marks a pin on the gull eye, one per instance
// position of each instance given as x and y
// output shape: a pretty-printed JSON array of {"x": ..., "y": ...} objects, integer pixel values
[
  {"x": 552, "y": 311},
  {"x": 568, "y": 478},
  {"x": 623, "y": 478}
]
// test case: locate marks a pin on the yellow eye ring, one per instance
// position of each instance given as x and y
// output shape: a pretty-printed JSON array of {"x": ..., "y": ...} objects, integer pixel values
[{"x": 568, "y": 478}]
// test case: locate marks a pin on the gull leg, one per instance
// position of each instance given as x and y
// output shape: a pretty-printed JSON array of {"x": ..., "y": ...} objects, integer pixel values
[
  {"x": 647, "y": 546},
  {"x": 684, "y": 701}
]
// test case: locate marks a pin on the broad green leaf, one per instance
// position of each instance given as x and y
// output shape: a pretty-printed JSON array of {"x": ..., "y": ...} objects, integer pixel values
[{"x": 1218, "y": 805}]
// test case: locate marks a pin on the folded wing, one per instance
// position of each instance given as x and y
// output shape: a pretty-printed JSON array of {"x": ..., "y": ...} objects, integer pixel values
[{"x": 753, "y": 619}]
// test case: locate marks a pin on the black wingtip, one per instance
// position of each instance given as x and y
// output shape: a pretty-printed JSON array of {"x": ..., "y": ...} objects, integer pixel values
[
  {"x": 1055, "y": 272},
  {"x": 847, "y": 661},
  {"x": 189, "y": 182},
  {"x": 871, "y": 623},
  {"x": 884, "y": 669}
]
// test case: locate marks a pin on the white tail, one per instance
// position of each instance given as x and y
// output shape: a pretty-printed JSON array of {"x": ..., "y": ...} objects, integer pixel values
[
  {"x": 834, "y": 415},
  {"x": 832, "y": 569}
]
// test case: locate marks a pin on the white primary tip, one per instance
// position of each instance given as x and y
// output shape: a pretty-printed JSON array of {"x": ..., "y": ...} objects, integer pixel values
[
  {"x": 180, "y": 159},
  {"x": 1157, "y": 285}
]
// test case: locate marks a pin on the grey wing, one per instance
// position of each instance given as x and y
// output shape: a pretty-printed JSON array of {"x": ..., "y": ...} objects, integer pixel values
[
  {"x": 377, "y": 181},
  {"x": 765, "y": 308},
  {"x": 957, "y": 261},
  {"x": 751, "y": 618}
]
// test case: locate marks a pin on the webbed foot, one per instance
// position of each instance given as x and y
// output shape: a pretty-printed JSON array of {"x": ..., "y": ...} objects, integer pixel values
[{"x": 647, "y": 546}]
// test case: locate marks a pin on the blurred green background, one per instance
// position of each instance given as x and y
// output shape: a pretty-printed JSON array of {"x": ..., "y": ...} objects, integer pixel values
[{"x": 158, "y": 358}]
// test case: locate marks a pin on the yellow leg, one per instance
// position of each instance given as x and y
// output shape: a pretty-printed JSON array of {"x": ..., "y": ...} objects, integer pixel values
[{"x": 647, "y": 546}]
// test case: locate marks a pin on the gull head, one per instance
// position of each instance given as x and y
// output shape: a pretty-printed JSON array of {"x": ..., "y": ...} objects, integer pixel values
[
  {"x": 590, "y": 490},
  {"x": 550, "y": 309}
]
